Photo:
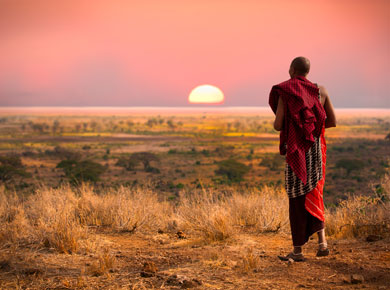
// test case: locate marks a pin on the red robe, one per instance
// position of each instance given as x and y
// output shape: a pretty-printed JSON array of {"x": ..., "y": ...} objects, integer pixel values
[{"x": 304, "y": 119}]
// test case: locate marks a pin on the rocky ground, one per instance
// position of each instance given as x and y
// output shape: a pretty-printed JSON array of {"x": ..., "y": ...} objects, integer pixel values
[{"x": 177, "y": 261}]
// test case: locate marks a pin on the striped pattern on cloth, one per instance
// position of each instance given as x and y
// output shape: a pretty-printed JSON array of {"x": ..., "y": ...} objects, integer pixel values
[{"x": 294, "y": 185}]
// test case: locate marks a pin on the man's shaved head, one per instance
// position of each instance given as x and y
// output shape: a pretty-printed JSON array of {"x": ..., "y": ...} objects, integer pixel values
[{"x": 300, "y": 66}]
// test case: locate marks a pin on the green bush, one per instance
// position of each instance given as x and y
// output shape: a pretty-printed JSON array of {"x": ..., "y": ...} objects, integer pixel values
[
  {"x": 274, "y": 161},
  {"x": 129, "y": 163},
  {"x": 79, "y": 171},
  {"x": 11, "y": 166},
  {"x": 233, "y": 170},
  {"x": 350, "y": 165}
]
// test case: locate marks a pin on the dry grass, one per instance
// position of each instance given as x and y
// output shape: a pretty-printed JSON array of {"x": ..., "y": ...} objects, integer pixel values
[
  {"x": 61, "y": 219},
  {"x": 361, "y": 215},
  {"x": 205, "y": 213},
  {"x": 220, "y": 215},
  {"x": 103, "y": 265},
  {"x": 123, "y": 210}
]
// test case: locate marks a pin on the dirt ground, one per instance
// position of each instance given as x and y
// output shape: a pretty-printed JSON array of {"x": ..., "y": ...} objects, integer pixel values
[{"x": 165, "y": 261}]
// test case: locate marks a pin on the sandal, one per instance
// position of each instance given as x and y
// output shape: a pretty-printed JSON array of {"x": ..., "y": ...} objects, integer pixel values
[
  {"x": 322, "y": 252},
  {"x": 295, "y": 257}
]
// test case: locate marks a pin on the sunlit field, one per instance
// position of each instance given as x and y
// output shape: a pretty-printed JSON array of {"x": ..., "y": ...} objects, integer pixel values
[
  {"x": 165, "y": 198},
  {"x": 185, "y": 148}
]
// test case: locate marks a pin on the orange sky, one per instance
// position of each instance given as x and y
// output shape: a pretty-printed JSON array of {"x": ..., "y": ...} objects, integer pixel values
[{"x": 152, "y": 53}]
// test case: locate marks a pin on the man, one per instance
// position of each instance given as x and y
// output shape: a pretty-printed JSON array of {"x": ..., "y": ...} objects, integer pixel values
[{"x": 303, "y": 110}]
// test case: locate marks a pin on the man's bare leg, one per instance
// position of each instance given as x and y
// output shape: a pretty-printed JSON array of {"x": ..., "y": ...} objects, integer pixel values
[
  {"x": 322, "y": 240},
  {"x": 322, "y": 244},
  {"x": 297, "y": 250}
]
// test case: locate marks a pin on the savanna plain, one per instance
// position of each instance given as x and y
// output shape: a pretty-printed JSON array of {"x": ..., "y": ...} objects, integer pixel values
[{"x": 170, "y": 198}]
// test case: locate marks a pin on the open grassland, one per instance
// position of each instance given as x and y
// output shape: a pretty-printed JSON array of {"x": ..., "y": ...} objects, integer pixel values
[
  {"x": 77, "y": 238},
  {"x": 165, "y": 199},
  {"x": 188, "y": 147}
]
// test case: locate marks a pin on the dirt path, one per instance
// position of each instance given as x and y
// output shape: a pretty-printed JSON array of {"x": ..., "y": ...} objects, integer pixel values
[{"x": 163, "y": 261}]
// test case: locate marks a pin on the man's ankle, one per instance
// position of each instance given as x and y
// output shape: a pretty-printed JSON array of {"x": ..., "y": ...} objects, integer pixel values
[
  {"x": 323, "y": 245},
  {"x": 297, "y": 250}
]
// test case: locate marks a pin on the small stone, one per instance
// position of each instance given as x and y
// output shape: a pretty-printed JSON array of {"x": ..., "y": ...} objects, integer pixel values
[
  {"x": 146, "y": 274},
  {"x": 5, "y": 266},
  {"x": 346, "y": 280},
  {"x": 197, "y": 281},
  {"x": 181, "y": 235},
  {"x": 160, "y": 231},
  {"x": 188, "y": 284},
  {"x": 356, "y": 279},
  {"x": 150, "y": 267},
  {"x": 373, "y": 238},
  {"x": 172, "y": 280},
  {"x": 31, "y": 271}
]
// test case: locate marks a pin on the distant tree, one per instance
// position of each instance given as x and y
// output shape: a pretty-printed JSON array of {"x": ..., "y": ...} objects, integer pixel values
[
  {"x": 145, "y": 158},
  {"x": 56, "y": 126},
  {"x": 350, "y": 165},
  {"x": 11, "y": 166},
  {"x": 129, "y": 163},
  {"x": 93, "y": 126},
  {"x": 171, "y": 124},
  {"x": 61, "y": 152},
  {"x": 78, "y": 171},
  {"x": 151, "y": 122},
  {"x": 273, "y": 161},
  {"x": 38, "y": 127},
  {"x": 77, "y": 127},
  {"x": 232, "y": 169}
]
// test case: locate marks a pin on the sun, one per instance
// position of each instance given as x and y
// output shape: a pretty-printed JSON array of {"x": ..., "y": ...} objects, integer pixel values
[{"x": 206, "y": 94}]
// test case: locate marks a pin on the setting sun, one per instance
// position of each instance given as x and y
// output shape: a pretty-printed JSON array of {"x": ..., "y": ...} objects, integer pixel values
[{"x": 206, "y": 94}]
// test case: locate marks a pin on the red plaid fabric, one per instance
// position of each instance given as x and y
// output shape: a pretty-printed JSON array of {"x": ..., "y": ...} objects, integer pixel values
[
  {"x": 314, "y": 201},
  {"x": 304, "y": 118}
]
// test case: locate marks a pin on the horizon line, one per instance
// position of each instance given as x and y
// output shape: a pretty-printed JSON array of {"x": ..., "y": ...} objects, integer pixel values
[{"x": 172, "y": 107}]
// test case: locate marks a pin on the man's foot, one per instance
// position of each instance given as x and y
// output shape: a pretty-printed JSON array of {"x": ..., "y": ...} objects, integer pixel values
[
  {"x": 323, "y": 252},
  {"x": 295, "y": 257}
]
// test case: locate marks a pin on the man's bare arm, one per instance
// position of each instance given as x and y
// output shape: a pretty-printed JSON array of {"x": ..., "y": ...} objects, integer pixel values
[
  {"x": 330, "y": 114},
  {"x": 279, "y": 118}
]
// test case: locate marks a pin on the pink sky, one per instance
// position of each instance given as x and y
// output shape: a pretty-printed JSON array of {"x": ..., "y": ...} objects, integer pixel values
[{"x": 153, "y": 53}]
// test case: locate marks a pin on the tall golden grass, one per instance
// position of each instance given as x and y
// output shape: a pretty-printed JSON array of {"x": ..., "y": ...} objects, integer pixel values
[
  {"x": 63, "y": 219},
  {"x": 361, "y": 215}
]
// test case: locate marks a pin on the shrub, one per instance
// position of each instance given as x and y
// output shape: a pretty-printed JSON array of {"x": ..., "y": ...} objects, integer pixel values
[
  {"x": 350, "y": 165},
  {"x": 273, "y": 161},
  {"x": 232, "y": 169},
  {"x": 204, "y": 213},
  {"x": 127, "y": 163},
  {"x": 359, "y": 216},
  {"x": 63, "y": 153},
  {"x": 11, "y": 166},
  {"x": 79, "y": 171}
]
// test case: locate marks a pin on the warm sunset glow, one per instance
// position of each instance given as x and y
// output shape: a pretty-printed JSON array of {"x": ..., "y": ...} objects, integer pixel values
[{"x": 206, "y": 94}]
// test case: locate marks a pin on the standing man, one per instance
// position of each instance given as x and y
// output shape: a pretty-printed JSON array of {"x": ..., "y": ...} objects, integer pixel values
[{"x": 303, "y": 110}]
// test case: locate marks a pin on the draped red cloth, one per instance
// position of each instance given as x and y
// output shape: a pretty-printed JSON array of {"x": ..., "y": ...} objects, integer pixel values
[
  {"x": 304, "y": 118},
  {"x": 314, "y": 202}
]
